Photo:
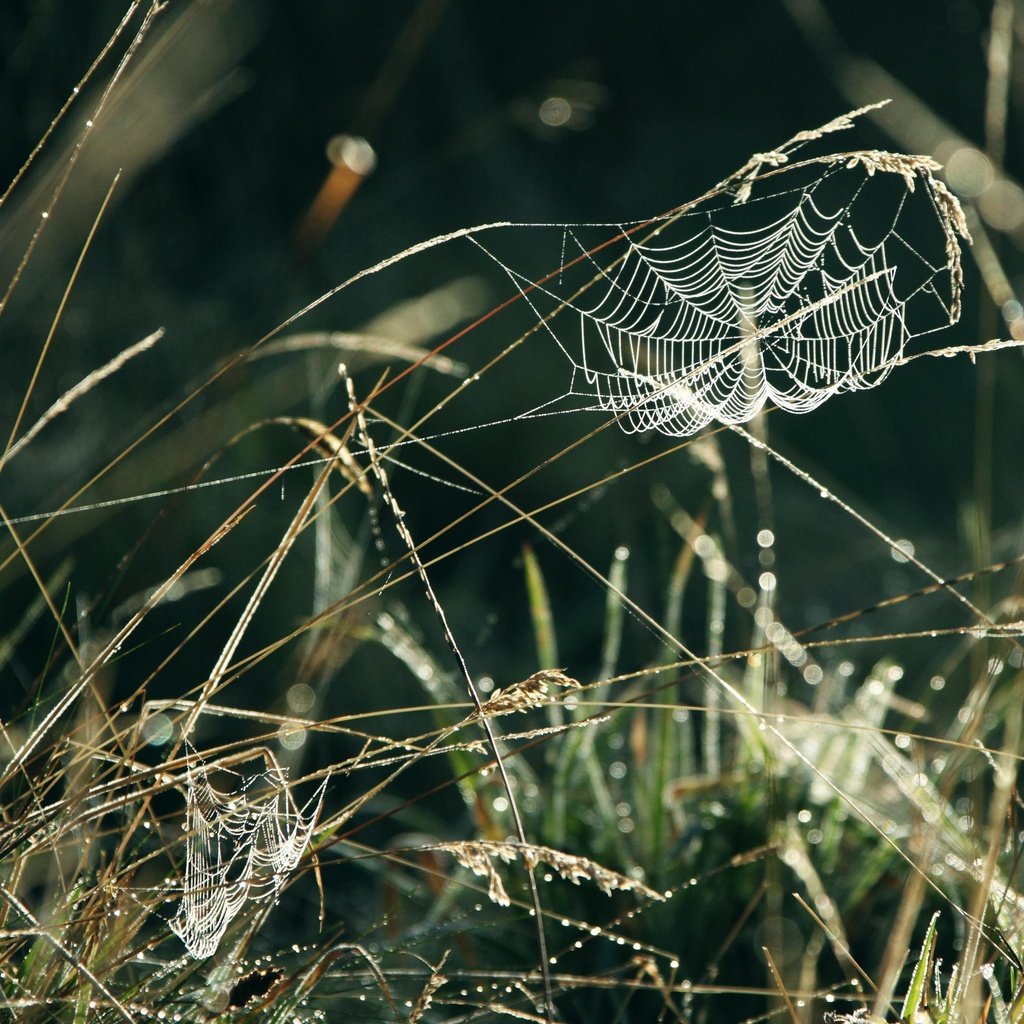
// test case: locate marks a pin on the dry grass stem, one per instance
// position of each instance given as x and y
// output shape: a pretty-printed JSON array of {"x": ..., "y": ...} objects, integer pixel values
[{"x": 479, "y": 856}]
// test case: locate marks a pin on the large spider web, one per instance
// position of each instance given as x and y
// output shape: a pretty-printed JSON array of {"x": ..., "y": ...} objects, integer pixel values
[
  {"x": 787, "y": 298},
  {"x": 238, "y": 848}
]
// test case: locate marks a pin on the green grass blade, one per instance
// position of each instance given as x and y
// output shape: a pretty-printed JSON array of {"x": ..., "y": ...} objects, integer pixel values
[{"x": 919, "y": 980}]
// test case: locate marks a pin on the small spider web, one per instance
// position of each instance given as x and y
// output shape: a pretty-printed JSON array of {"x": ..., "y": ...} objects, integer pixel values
[
  {"x": 788, "y": 298},
  {"x": 239, "y": 848}
]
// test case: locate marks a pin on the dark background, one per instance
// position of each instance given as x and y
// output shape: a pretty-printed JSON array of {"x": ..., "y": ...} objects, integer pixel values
[
  {"x": 199, "y": 241},
  {"x": 668, "y": 99}
]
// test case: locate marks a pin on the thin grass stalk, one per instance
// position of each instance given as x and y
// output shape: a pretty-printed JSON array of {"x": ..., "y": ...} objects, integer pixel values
[
  {"x": 997, "y": 97},
  {"x": 80, "y": 390},
  {"x": 581, "y": 748},
  {"x": 155, "y": 8},
  {"x": 964, "y": 995},
  {"x": 30, "y": 389},
  {"x": 907, "y": 915},
  {"x": 381, "y": 475},
  {"x": 88, "y": 678},
  {"x": 543, "y": 621},
  {"x": 72, "y": 97},
  {"x": 613, "y": 613},
  {"x": 295, "y": 527},
  {"x": 110, "y": 649},
  {"x": 980, "y": 616},
  {"x": 673, "y": 742},
  {"x": 713, "y": 570}
]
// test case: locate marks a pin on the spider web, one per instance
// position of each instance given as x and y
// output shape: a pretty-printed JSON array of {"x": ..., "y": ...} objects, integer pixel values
[
  {"x": 237, "y": 849},
  {"x": 788, "y": 298}
]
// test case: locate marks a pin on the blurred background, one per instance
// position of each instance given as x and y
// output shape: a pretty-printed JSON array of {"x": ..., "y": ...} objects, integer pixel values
[{"x": 228, "y": 218}]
